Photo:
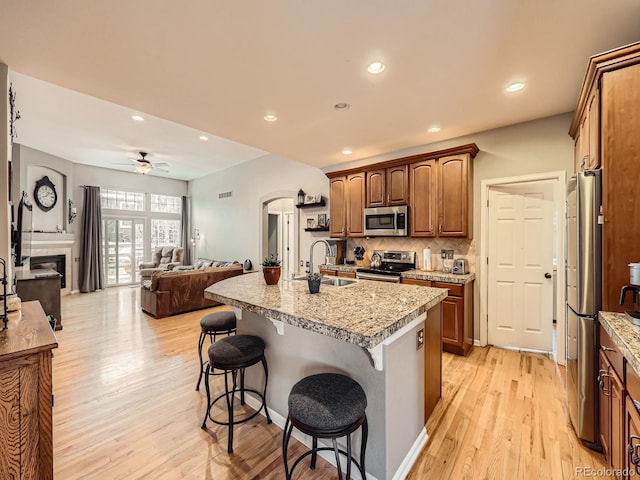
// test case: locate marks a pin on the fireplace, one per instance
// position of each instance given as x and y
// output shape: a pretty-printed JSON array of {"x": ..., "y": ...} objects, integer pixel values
[{"x": 51, "y": 262}]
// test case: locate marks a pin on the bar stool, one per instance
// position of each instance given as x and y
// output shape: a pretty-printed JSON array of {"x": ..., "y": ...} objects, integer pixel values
[
  {"x": 214, "y": 324},
  {"x": 327, "y": 405},
  {"x": 232, "y": 355}
]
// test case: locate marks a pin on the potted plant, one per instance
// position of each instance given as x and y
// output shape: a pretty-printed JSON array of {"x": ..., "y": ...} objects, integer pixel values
[
  {"x": 313, "y": 279},
  {"x": 271, "y": 270}
]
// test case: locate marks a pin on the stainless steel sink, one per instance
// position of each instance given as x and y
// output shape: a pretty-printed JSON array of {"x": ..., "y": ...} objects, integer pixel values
[
  {"x": 333, "y": 281},
  {"x": 338, "y": 281}
]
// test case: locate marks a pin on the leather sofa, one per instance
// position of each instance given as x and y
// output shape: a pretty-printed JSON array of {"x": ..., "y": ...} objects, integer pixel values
[{"x": 172, "y": 292}]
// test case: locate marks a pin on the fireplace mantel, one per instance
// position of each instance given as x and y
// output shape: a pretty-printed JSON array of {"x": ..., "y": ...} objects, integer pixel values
[{"x": 49, "y": 238}]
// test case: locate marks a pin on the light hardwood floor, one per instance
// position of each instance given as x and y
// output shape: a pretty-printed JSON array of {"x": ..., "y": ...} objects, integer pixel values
[{"x": 126, "y": 408}]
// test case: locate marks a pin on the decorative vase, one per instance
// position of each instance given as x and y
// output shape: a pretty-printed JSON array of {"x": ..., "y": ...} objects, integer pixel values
[
  {"x": 314, "y": 286},
  {"x": 271, "y": 275}
]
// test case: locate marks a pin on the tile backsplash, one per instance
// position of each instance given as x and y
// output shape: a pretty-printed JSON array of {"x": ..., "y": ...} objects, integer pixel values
[{"x": 462, "y": 248}]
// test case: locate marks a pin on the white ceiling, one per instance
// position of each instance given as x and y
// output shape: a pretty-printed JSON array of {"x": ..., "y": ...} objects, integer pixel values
[{"x": 217, "y": 67}]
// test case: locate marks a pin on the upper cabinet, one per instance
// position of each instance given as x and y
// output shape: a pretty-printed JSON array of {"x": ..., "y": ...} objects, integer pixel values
[
  {"x": 436, "y": 186},
  {"x": 346, "y": 205},
  {"x": 387, "y": 186},
  {"x": 605, "y": 128}
]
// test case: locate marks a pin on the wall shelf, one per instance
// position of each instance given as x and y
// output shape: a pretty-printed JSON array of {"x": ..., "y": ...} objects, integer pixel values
[
  {"x": 321, "y": 203},
  {"x": 317, "y": 229}
]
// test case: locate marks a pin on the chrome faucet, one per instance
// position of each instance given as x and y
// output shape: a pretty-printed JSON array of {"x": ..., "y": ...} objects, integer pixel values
[{"x": 328, "y": 252}]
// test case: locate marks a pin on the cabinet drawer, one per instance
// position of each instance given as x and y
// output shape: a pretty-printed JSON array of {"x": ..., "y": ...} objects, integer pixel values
[
  {"x": 347, "y": 274},
  {"x": 413, "y": 281},
  {"x": 611, "y": 351},
  {"x": 455, "y": 290},
  {"x": 322, "y": 271}
]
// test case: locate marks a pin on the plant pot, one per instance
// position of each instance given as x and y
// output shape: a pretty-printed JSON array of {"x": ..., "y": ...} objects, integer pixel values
[
  {"x": 271, "y": 275},
  {"x": 314, "y": 286}
]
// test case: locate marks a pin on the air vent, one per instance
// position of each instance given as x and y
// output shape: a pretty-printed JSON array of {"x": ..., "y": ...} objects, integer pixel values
[{"x": 224, "y": 194}]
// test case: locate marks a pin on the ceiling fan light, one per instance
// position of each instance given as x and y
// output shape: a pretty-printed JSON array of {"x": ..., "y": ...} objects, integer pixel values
[{"x": 143, "y": 167}]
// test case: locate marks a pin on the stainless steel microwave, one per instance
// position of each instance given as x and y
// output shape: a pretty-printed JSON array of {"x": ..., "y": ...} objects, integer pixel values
[{"x": 386, "y": 222}]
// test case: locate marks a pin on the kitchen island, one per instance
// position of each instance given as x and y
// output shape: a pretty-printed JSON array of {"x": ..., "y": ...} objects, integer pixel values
[{"x": 366, "y": 330}]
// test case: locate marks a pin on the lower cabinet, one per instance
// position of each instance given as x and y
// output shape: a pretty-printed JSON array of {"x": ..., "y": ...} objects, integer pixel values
[
  {"x": 347, "y": 274},
  {"x": 333, "y": 273},
  {"x": 631, "y": 433},
  {"x": 457, "y": 315},
  {"x": 611, "y": 410}
]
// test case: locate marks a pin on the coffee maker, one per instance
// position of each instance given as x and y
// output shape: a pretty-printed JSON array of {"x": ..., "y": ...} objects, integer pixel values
[{"x": 634, "y": 288}]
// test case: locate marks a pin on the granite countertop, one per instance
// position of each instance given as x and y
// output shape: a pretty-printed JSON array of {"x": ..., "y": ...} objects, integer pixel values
[
  {"x": 625, "y": 335},
  {"x": 434, "y": 276},
  {"x": 364, "y": 313}
]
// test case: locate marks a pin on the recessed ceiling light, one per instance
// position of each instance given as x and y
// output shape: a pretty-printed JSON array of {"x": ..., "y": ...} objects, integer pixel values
[
  {"x": 137, "y": 118},
  {"x": 204, "y": 138},
  {"x": 347, "y": 151},
  {"x": 341, "y": 107},
  {"x": 433, "y": 129},
  {"x": 270, "y": 117},
  {"x": 376, "y": 67},
  {"x": 514, "y": 87}
]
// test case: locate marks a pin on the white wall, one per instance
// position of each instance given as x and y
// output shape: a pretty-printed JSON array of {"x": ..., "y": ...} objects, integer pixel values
[
  {"x": 5, "y": 158},
  {"x": 230, "y": 227}
]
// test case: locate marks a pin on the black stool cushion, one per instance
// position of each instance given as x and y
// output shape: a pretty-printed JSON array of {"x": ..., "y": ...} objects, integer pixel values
[
  {"x": 236, "y": 351},
  {"x": 218, "y": 322},
  {"x": 327, "y": 401}
]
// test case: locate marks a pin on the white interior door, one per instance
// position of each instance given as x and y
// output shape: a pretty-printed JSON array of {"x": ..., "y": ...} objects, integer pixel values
[{"x": 520, "y": 265}]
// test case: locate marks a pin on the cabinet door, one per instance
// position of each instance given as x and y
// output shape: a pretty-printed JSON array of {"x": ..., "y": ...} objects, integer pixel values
[
  {"x": 577, "y": 154},
  {"x": 397, "y": 185},
  {"x": 10, "y": 423},
  {"x": 618, "y": 451},
  {"x": 422, "y": 198},
  {"x": 337, "y": 207},
  {"x": 355, "y": 205},
  {"x": 604, "y": 412},
  {"x": 632, "y": 437},
  {"x": 453, "y": 196},
  {"x": 376, "y": 188},
  {"x": 452, "y": 321},
  {"x": 584, "y": 143},
  {"x": 593, "y": 115}
]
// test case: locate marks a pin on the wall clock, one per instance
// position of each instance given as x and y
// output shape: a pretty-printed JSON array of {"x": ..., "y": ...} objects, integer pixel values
[{"x": 45, "y": 194}]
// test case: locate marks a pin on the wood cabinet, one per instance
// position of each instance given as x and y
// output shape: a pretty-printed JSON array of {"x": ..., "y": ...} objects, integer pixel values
[
  {"x": 632, "y": 436},
  {"x": 347, "y": 274},
  {"x": 457, "y": 318},
  {"x": 387, "y": 186},
  {"x": 611, "y": 412},
  {"x": 331, "y": 273},
  {"x": 457, "y": 314},
  {"x": 26, "y": 438},
  {"x": 346, "y": 205},
  {"x": 423, "y": 189},
  {"x": 435, "y": 185},
  {"x": 43, "y": 286},
  {"x": 454, "y": 196},
  {"x": 605, "y": 127},
  {"x": 440, "y": 197}
]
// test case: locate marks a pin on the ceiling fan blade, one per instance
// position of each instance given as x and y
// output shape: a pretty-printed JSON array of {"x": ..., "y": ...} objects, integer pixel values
[{"x": 161, "y": 164}]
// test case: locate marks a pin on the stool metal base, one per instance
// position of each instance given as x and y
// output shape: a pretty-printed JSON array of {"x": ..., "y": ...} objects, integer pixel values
[
  {"x": 212, "y": 337},
  {"x": 230, "y": 394},
  {"x": 333, "y": 435}
]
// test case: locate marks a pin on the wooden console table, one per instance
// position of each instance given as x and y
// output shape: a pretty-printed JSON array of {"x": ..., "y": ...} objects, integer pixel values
[
  {"x": 26, "y": 400},
  {"x": 42, "y": 285}
]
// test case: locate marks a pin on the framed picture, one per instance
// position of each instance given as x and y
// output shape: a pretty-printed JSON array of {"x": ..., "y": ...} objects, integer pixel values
[
  {"x": 309, "y": 198},
  {"x": 311, "y": 222},
  {"x": 322, "y": 220}
]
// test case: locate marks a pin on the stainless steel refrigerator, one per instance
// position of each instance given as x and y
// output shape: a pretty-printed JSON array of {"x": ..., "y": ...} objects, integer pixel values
[{"x": 584, "y": 297}]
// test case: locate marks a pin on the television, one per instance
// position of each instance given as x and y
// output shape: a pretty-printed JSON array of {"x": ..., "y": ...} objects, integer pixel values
[{"x": 21, "y": 243}]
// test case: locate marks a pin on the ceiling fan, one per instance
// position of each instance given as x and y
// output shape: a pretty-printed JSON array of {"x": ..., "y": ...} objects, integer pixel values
[{"x": 142, "y": 165}]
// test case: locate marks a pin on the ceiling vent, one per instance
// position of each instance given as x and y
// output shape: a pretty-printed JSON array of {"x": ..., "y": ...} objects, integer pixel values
[{"x": 224, "y": 194}]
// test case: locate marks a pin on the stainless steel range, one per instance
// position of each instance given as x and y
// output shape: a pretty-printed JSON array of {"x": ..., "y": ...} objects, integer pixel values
[{"x": 387, "y": 265}]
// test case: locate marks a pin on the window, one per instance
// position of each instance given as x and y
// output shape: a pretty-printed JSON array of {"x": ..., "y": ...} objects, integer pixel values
[
  {"x": 121, "y": 200},
  {"x": 165, "y": 232},
  {"x": 165, "y": 204}
]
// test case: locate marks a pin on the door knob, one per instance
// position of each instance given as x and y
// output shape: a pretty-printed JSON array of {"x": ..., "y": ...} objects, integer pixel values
[{"x": 547, "y": 275}]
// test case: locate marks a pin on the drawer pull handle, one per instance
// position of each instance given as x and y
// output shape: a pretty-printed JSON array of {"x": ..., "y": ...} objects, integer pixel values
[
  {"x": 602, "y": 375},
  {"x": 607, "y": 349},
  {"x": 634, "y": 457}
]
